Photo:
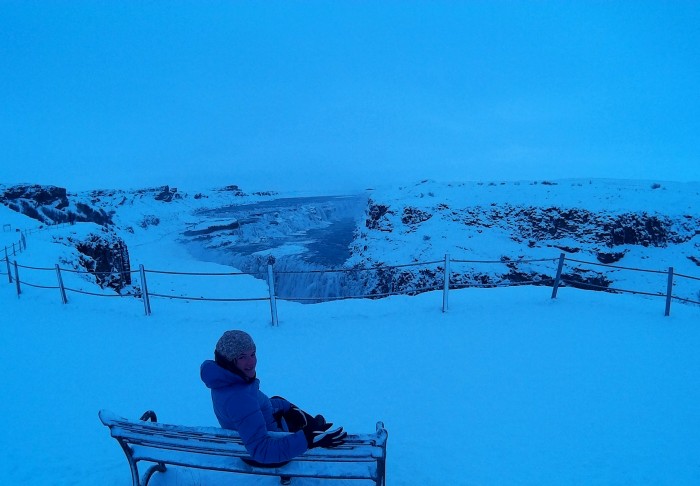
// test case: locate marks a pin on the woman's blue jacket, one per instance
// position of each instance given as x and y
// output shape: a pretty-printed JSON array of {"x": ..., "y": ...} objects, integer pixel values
[{"x": 240, "y": 405}]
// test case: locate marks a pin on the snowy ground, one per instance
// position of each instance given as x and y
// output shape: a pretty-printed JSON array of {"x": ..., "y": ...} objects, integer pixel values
[{"x": 507, "y": 387}]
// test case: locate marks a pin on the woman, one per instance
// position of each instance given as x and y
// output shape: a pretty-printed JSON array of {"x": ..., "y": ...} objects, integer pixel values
[{"x": 240, "y": 405}]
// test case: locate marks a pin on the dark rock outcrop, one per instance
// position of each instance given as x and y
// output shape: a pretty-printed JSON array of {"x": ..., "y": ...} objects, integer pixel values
[
  {"x": 106, "y": 257},
  {"x": 414, "y": 216},
  {"x": 377, "y": 217},
  {"x": 233, "y": 189},
  {"x": 51, "y": 205},
  {"x": 167, "y": 194},
  {"x": 609, "y": 258},
  {"x": 53, "y": 196}
]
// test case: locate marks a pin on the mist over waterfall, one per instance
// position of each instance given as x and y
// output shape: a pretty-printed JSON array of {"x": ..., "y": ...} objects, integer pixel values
[{"x": 303, "y": 238}]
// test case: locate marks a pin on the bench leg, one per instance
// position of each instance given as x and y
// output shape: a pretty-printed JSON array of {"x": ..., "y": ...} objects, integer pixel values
[
  {"x": 160, "y": 467},
  {"x": 381, "y": 471},
  {"x": 136, "y": 479}
]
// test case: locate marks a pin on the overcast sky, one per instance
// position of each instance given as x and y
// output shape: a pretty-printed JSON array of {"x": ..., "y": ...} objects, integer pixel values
[{"x": 346, "y": 95}]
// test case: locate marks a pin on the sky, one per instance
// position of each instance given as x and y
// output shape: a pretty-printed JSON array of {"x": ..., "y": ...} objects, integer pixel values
[{"x": 346, "y": 95}]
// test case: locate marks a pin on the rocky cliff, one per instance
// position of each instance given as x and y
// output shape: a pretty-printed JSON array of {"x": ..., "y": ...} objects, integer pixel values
[{"x": 509, "y": 224}]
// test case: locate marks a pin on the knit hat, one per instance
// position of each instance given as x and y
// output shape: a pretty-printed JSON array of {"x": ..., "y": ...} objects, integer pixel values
[{"x": 234, "y": 343}]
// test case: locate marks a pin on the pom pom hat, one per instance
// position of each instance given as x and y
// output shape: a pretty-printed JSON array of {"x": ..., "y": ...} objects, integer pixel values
[{"x": 234, "y": 343}]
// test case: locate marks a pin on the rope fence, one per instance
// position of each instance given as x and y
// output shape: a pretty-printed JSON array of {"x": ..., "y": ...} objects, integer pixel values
[
  {"x": 197, "y": 274},
  {"x": 615, "y": 266},
  {"x": 15, "y": 248},
  {"x": 687, "y": 276},
  {"x": 94, "y": 294},
  {"x": 208, "y": 299},
  {"x": 671, "y": 282},
  {"x": 441, "y": 271}
]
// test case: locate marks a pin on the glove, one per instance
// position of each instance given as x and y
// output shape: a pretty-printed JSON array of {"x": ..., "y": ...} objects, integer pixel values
[{"x": 322, "y": 437}]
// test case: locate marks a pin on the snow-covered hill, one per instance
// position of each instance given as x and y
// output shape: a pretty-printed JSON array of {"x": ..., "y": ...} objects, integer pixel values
[{"x": 631, "y": 224}]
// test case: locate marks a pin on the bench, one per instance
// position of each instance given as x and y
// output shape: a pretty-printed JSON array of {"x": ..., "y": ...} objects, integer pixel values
[{"x": 363, "y": 456}]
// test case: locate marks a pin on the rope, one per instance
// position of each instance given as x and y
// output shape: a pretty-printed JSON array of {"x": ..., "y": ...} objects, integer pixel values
[
  {"x": 608, "y": 289},
  {"x": 330, "y": 270},
  {"x": 207, "y": 274},
  {"x": 206, "y": 298},
  {"x": 638, "y": 292},
  {"x": 477, "y": 261},
  {"x": 365, "y": 296},
  {"x": 507, "y": 261},
  {"x": 361, "y": 269},
  {"x": 616, "y": 266},
  {"x": 498, "y": 285},
  {"x": 38, "y": 286},
  {"x": 685, "y": 276},
  {"x": 685, "y": 300},
  {"x": 116, "y": 272},
  {"x": 417, "y": 264},
  {"x": 320, "y": 299},
  {"x": 33, "y": 268},
  {"x": 95, "y": 294},
  {"x": 532, "y": 282},
  {"x": 69, "y": 270},
  {"x": 574, "y": 283}
]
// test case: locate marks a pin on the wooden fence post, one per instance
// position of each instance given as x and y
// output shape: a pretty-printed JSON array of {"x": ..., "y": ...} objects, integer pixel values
[
  {"x": 446, "y": 286},
  {"x": 273, "y": 300},
  {"x": 14, "y": 252},
  {"x": 19, "y": 291},
  {"x": 557, "y": 279},
  {"x": 23, "y": 240},
  {"x": 9, "y": 271},
  {"x": 64, "y": 299},
  {"x": 144, "y": 291},
  {"x": 669, "y": 292}
]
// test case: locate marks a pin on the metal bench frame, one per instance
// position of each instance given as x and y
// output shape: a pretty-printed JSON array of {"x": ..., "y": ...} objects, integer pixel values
[{"x": 363, "y": 456}]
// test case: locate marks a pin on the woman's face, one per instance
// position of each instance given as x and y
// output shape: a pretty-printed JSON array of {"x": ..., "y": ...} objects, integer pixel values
[{"x": 246, "y": 363}]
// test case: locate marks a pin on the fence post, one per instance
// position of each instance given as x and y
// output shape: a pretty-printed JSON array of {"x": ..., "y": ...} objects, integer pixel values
[
  {"x": 9, "y": 272},
  {"x": 273, "y": 300},
  {"x": 19, "y": 291},
  {"x": 669, "y": 291},
  {"x": 64, "y": 299},
  {"x": 24, "y": 240},
  {"x": 557, "y": 279},
  {"x": 144, "y": 291},
  {"x": 446, "y": 286},
  {"x": 14, "y": 252}
]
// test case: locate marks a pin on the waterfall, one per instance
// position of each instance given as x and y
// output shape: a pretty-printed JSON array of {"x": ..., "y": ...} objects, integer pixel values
[{"x": 305, "y": 239}]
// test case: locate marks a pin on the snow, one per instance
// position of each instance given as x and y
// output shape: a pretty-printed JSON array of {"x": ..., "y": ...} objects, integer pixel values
[{"x": 507, "y": 387}]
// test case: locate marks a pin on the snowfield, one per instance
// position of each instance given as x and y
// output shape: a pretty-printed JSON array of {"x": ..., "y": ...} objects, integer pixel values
[{"x": 508, "y": 387}]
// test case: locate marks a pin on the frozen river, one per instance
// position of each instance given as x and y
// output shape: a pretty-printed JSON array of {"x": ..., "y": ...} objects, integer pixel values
[{"x": 294, "y": 234}]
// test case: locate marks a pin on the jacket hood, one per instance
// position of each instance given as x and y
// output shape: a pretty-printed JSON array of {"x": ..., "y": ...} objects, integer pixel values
[{"x": 214, "y": 376}]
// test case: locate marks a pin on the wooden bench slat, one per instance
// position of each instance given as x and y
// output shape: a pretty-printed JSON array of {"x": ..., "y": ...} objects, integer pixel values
[
  {"x": 351, "y": 450},
  {"x": 196, "y": 459},
  {"x": 210, "y": 433}
]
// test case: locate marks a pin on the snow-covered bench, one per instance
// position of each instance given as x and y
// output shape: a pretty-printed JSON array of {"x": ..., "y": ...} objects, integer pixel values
[{"x": 362, "y": 456}]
